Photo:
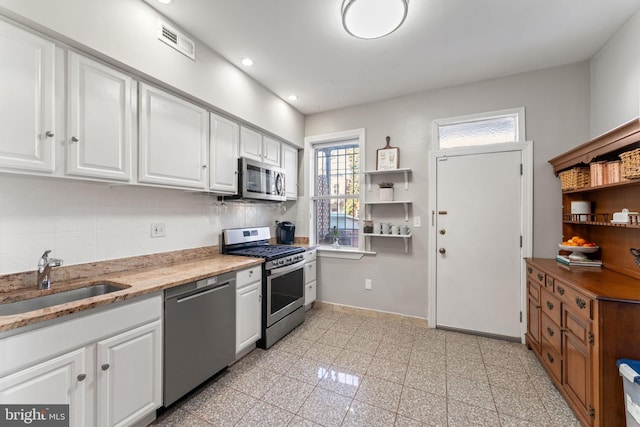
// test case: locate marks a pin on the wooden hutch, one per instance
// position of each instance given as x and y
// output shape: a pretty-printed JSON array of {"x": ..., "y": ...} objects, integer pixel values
[{"x": 581, "y": 320}]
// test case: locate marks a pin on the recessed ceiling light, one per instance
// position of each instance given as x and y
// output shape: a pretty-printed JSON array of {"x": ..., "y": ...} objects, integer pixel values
[
  {"x": 293, "y": 97},
  {"x": 247, "y": 62},
  {"x": 165, "y": 1}
]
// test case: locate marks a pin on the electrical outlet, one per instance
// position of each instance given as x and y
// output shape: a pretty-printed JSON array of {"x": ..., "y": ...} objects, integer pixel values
[
  {"x": 417, "y": 222},
  {"x": 367, "y": 284},
  {"x": 158, "y": 229}
]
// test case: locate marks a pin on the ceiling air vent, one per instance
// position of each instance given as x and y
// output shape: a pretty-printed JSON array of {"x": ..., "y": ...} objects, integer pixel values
[{"x": 176, "y": 40}]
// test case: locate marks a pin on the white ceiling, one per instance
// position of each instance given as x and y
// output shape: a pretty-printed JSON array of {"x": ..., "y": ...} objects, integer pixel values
[{"x": 299, "y": 46}]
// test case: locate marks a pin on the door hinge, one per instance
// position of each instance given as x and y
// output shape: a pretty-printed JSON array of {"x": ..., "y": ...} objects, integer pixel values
[
  {"x": 592, "y": 338},
  {"x": 520, "y": 241},
  {"x": 520, "y": 317},
  {"x": 592, "y": 411},
  {"x": 521, "y": 169}
]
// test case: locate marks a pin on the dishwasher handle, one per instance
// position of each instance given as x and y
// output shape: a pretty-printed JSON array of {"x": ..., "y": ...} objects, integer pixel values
[{"x": 202, "y": 293}]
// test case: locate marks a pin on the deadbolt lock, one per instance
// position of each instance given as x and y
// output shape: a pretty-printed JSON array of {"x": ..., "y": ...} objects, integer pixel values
[{"x": 443, "y": 231}]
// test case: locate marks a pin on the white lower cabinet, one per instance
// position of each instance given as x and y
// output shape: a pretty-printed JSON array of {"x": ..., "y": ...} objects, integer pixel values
[
  {"x": 57, "y": 381},
  {"x": 310, "y": 278},
  {"x": 107, "y": 364},
  {"x": 248, "y": 307},
  {"x": 129, "y": 367}
]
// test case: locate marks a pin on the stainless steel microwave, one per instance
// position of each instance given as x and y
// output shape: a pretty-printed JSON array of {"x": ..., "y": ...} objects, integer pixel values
[{"x": 259, "y": 181}]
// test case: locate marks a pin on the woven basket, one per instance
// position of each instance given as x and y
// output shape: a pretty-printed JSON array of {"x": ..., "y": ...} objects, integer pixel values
[
  {"x": 575, "y": 178},
  {"x": 631, "y": 164}
]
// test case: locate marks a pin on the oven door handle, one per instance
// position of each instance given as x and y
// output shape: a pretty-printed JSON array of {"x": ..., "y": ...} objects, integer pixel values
[{"x": 275, "y": 272}]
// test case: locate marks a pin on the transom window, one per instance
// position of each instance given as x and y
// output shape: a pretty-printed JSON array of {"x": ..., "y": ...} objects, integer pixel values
[{"x": 480, "y": 129}]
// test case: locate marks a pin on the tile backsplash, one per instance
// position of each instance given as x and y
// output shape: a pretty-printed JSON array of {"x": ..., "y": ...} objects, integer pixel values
[{"x": 84, "y": 221}]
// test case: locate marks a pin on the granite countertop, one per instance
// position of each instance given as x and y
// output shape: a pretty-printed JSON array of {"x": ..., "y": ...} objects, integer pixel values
[{"x": 137, "y": 282}]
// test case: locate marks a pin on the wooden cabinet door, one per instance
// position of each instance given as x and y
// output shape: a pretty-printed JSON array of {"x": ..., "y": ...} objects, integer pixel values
[
  {"x": 248, "y": 315},
  {"x": 174, "y": 139},
  {"x": 223, "y": 160},
  {"x": 577, "y": 347},
  {"x": 250, "y": 144},
  {"x": 100, "y": 120},
  {"x": 129, "y": 372},
  {"x": 61, "y": 380},
  {"x": 290, "y": 166},
  {"x": 27, "y": 107},
  {"x": 533, "y": 315},
  {"x": 271, "y": 151}
]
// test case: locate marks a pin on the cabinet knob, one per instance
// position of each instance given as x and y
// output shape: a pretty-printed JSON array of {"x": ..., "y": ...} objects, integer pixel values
[
  {"x": 442, "y": 251},
  {"x": 560, "y": 290},
  {"x": 550, "y": 305},
  {"x": 81, "y": 377},
  {"x": 529, "y": 270},
  {"x": 74, "y": 139},
  {"x": 540, "y": 277},
  {"x": 550, "y": 357},
  {"x": 105, "y": 366},
  {"x": 550, "y": 331},
  {"x": 49, "y": 134},
  {"x": 581, "y": 303}
]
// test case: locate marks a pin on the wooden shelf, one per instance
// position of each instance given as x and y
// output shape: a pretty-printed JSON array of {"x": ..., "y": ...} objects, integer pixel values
[
  {"x": 404, "y": 171},
  {"x": 602, "y": 224},
  {"x": 629, "y": 183}
]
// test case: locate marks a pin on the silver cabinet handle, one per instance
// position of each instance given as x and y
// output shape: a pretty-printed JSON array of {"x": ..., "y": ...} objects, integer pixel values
[
  {"x": 81, "y": 377},
  {"x": 105, "y": 366},
  {"x": 74, "y": 139},
  {"x": 49, "y": 134}
]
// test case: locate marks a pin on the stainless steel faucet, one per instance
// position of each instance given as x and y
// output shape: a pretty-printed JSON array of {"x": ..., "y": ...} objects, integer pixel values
[{"x": 45, "y": 264}]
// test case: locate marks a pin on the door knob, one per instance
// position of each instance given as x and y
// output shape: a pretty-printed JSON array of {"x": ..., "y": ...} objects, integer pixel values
[
  {"x": 442, "y": 250},
  {"x": 74, "y": 139},
  {"x": 105, "y": 366},
  {"x": 442, "y": 231}
]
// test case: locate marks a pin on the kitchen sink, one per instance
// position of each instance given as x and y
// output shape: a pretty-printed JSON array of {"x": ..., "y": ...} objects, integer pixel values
[{"x": 44, "y": 301}]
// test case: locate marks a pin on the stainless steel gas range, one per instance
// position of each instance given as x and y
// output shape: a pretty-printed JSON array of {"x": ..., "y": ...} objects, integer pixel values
[{"x": 282, "y": 279}]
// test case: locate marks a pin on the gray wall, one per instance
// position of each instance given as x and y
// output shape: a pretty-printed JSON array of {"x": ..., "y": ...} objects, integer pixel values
[
  {"x": 615, "y": 79},
  {"x": 125, "y": 31},
  {"x": 556, "y": 102}
]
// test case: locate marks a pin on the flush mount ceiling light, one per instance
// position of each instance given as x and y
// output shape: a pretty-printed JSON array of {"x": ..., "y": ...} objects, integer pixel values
[
  {"x": 165, "y": 1},
  {"x": 372, "y": 19},
  {"x": 293, "y": 97}
]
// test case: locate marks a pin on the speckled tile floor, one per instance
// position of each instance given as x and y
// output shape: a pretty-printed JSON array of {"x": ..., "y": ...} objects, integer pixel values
[{"x": 346, "y": 370}]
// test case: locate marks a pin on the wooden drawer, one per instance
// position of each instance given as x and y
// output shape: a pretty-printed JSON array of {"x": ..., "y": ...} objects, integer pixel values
[
  {"x": 551, "y": 307},
  {"x": 575, "y": 300},
  {"x": 535, "y": 274},
  {"x": 551, "y": 332},
  {"x": 551, "y": 360}
]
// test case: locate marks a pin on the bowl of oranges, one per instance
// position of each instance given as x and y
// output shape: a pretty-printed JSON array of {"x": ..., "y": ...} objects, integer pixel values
[{"x": 578, "y": 247}]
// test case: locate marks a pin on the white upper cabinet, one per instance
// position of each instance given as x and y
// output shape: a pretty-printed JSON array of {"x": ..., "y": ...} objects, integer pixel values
[
  {"x": 27, "y": 102},
  {"x": 100, "y": 132},
  {"x": 223, "y": 161},
  {"x": 174, "y": 136},
  {"x": 253, "y": 145},
  {"x": 290, "y": 166},
  {"x": 271, "y": 151},
  {"x": 250, "y": 144}
]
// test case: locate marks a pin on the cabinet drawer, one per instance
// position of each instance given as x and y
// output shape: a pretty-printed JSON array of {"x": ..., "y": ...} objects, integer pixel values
[
  {"x": 574, "y": 300},
  {"x": 310, "y": 272},
  {"x": 535, "y": 274},
  {"x": 551, "y": 332},
  {"x": 247, "y": 276},
  {"x": 551, "y": 307},
  {"x": 310, "y": 255},
  {"x": 551, "y": 360}
]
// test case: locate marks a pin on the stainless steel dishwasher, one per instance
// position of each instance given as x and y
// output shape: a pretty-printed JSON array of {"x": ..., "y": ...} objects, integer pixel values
[{"x": 199, "y": 333}]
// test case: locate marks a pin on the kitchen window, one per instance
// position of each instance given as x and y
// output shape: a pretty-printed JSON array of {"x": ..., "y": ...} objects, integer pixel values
[
  {"x": 336, "y": 169},
  {"x": 480, "y": 129}
]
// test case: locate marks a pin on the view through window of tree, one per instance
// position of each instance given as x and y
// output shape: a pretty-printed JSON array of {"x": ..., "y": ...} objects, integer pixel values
[{"x": 337, "y": 193}]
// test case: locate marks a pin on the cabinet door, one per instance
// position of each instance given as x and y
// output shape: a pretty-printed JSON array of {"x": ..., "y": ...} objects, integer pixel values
[
  {"x": 250, "y": 144},
  {"x": 290, "y": 165},
  {"x": 533, "y": 315},
  {"x": 100, "y": 120},
  {"x": 129, "y": 375},
  {"x": 28, "y": 105},
  {"x": 271, "y": 151},
  {"x": 248, "y": 315},
  {"x": 310, "y": 292},
  {"x": 577, "y": 348},
  {"x": 56, "y": 381},
  {"x": 223, "y": 161},
  {"x": 174, "y": 136}
]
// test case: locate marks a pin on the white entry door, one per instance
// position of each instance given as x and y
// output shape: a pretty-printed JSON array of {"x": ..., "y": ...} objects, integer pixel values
[{"x": 478, "y": 220}]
